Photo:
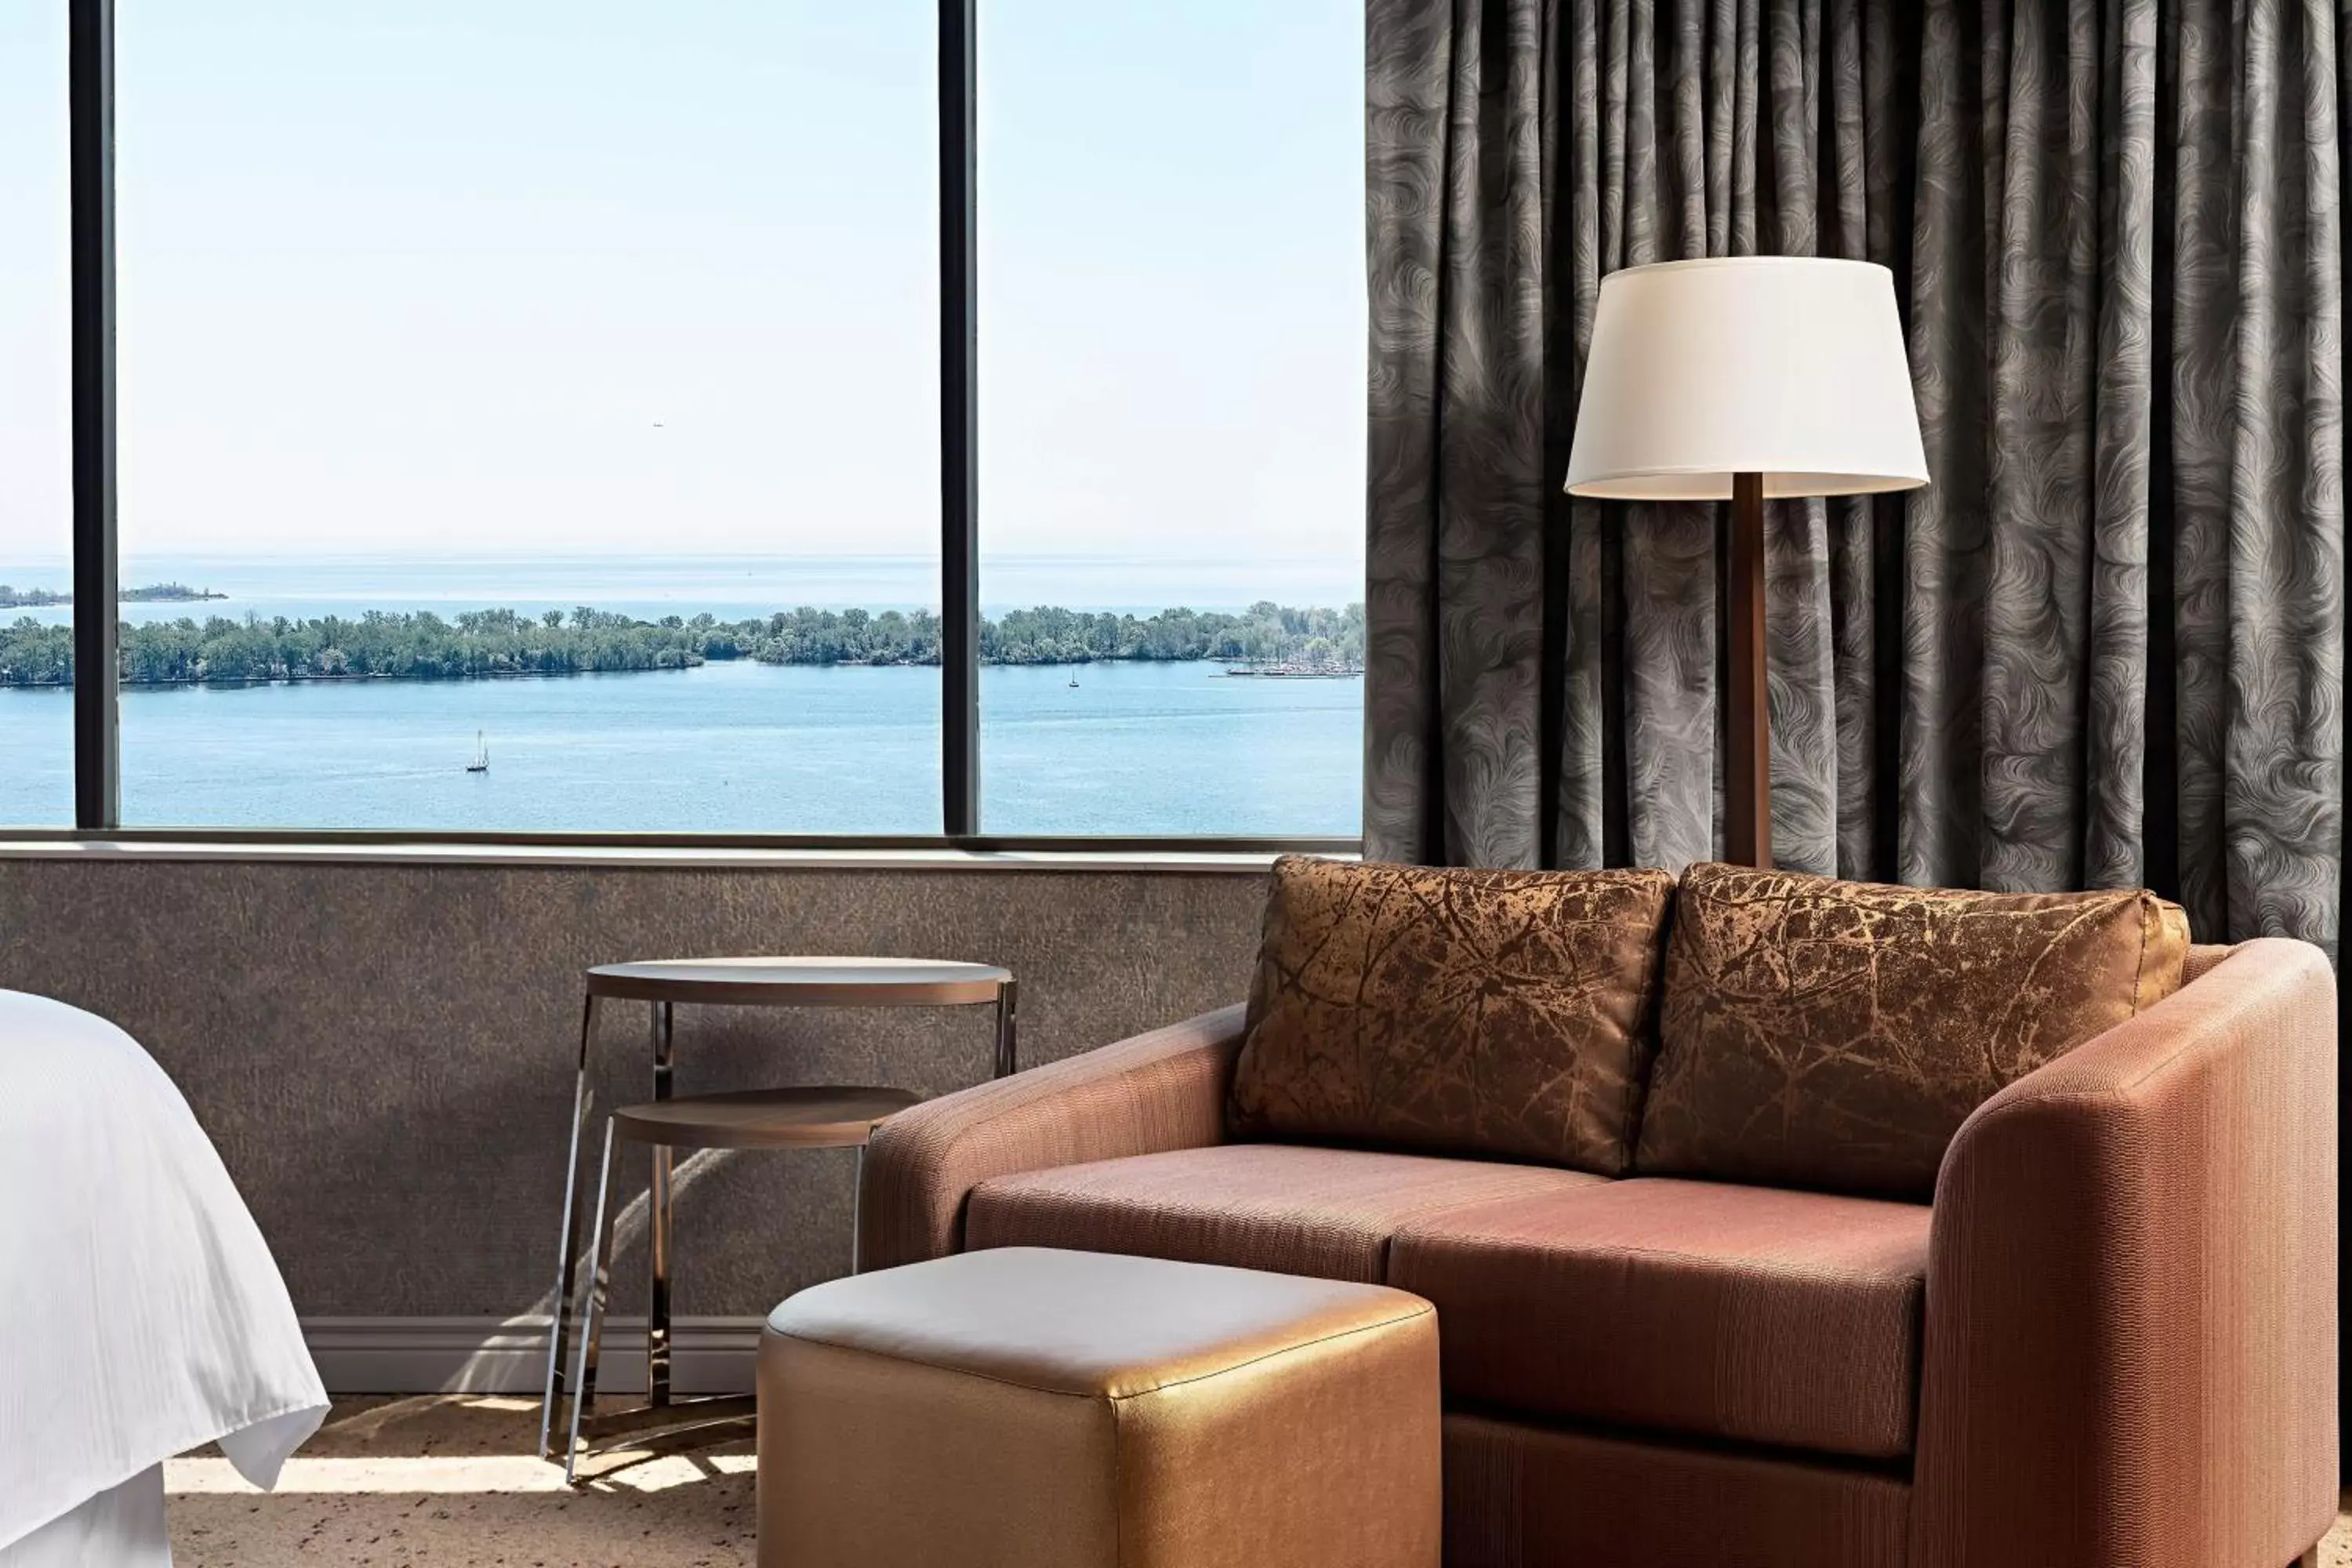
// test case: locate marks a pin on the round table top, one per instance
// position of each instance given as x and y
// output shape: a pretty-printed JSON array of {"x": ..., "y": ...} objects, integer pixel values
[
  {"x": 826, "y": 1117},
  {"x": 803, "y": 982}
]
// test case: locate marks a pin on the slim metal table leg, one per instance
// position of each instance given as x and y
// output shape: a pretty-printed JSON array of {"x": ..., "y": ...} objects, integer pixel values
[
  {"x": 657, "y": 1202},
  {"x": 1008, "y": 1050},
  {"x": 567, "y": 1245},
  {"x": 591, "y": 1314},
  {"x": 659, "y": 1216},
  {"x": 664, "y": 1042}
]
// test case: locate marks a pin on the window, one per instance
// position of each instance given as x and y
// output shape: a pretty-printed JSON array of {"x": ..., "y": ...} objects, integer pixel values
[
  {"x": 1171, "y": 336},
  {"x": 530, "y": 419},
  {"x": 595, "y": 337},
  {"x": 36, "y": 422}
]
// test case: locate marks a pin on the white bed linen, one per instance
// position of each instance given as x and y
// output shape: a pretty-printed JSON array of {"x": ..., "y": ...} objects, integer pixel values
[
  {"x": 140, "y": 1313},
  {"x": 121, "y": 1527}
]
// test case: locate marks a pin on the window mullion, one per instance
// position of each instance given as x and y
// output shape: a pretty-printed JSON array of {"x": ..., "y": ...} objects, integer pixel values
[
  {"x": 959, "y": 422},
  {"x": 98, "y": 796}
]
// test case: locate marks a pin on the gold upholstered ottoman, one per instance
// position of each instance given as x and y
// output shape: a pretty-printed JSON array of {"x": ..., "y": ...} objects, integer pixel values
[{"x": 1027, "y": 1408}]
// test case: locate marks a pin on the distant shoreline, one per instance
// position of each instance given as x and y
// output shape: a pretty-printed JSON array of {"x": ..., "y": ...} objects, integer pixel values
[
  {"x": 223, "y": 680},
  {"x": 153, "y": 593},
  {"x": 1267, "y": 641}
]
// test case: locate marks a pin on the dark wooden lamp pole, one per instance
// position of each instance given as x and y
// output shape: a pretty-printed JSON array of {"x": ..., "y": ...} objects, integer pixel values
[{"x": 1748, "y": 771}]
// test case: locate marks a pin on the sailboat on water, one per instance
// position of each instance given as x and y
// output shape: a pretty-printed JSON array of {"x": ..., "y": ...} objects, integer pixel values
[{"x": 481, "y": 762}]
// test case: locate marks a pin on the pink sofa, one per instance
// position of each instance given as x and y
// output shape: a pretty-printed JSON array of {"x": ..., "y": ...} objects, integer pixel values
[{"x": 2109, "y": 1342}]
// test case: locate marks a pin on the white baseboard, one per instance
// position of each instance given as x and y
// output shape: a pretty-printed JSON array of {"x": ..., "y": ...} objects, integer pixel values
[{"x": 493, "y": 1355}]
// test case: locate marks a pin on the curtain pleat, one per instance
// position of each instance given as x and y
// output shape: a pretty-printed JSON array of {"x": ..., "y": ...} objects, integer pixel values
[{"x": 2103, "y": 648}]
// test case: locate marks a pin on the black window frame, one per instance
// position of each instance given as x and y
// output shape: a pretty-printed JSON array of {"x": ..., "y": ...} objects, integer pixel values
[{"x": 97, "y": 767}]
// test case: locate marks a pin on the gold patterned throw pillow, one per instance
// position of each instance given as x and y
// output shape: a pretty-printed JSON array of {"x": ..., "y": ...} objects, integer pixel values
[
  {"x": 1826, "y": 1034},
  {"x": 1510, "y": 1014}
]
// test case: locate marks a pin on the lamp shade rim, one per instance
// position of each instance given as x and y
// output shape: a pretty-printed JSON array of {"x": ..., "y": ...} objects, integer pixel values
[
  {"x": 1749, "y": 263},
  {"x": 1713, "y": 482}
]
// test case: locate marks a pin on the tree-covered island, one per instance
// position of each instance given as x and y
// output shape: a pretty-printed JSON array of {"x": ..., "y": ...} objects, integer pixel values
[
  {"x": 421, "y": 645},
  {"x": 152, "y": 594}
]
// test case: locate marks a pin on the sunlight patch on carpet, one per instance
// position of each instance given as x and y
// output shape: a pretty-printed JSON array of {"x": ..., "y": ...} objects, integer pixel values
[{"x": 503, "y": 1473}]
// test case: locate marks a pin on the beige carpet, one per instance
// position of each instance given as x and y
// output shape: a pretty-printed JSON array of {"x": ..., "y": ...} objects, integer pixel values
[{"x": 454, "y": 1483}]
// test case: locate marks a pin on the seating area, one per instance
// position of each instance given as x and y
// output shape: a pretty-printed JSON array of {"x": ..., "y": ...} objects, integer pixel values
[{"x": 1999, "y": 1368}]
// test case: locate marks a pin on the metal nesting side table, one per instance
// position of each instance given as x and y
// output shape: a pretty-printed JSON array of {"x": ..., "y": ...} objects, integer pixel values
[{"x": 801, "y": 1117}]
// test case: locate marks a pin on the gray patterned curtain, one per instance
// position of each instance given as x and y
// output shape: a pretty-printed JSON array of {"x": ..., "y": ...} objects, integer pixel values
[{"x": 2103, "y": 649}]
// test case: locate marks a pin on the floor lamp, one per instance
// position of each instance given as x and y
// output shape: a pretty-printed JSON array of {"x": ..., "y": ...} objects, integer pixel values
[{"x": 1746, "y": 379}]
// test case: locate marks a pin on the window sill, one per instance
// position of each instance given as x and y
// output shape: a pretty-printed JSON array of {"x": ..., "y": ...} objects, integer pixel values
[{"x": 1166, "y": 855}]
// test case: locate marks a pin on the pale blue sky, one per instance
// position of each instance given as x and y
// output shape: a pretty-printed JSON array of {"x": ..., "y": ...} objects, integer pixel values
[{"x": 581, "y": 276}]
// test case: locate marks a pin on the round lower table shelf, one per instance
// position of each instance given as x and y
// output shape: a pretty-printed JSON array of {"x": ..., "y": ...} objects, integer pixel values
[{"x": 812, "y": 1117}]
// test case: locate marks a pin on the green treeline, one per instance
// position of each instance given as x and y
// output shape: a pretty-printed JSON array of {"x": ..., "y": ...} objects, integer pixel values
[
  {"x": 155, "y": 593},
  {"x": 425, "y": 646}
]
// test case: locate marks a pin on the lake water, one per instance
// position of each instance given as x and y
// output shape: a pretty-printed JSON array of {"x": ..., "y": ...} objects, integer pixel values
[{"x": 725, "y": 748}]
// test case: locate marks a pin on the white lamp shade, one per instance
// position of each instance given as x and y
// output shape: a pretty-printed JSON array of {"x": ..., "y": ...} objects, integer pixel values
[{"x": 1791, "y": 367}]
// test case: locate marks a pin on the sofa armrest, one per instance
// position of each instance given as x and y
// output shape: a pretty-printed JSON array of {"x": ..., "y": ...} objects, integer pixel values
[
  {"x": 1158, "y": 1092},
  {"x": 2131, "y": 1337}
]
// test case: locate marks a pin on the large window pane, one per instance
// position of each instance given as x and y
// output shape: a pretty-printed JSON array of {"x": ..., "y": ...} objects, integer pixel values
[
  {"x": 464, "y": 342},
  {"x": 1172, "y": 415},
  {"x": 36, "y": 421}
]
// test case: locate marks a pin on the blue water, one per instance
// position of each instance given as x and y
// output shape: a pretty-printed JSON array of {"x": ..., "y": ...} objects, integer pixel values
[{"x": 726, "y": 748}]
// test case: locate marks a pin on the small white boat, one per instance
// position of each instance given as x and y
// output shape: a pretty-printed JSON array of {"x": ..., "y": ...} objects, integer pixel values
[{"x": 481, "y": 762}]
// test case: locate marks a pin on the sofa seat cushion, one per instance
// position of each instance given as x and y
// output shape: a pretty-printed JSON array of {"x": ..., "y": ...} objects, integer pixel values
[
  {"x": 1323, "y": 1212},
  {"x": 1746, "y": 1313}
]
